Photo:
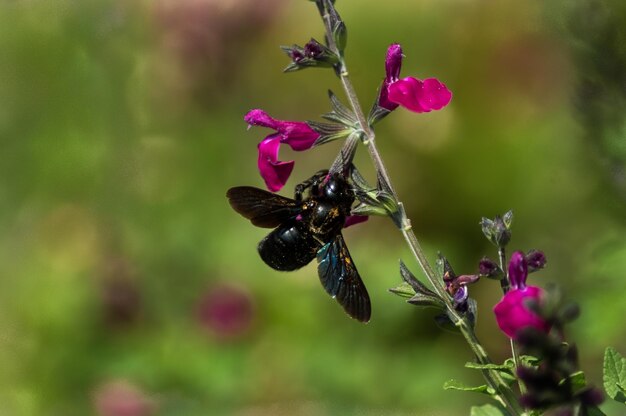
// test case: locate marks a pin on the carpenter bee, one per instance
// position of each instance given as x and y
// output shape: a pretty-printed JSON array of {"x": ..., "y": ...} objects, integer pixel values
[{"x": 305, "y": 228}]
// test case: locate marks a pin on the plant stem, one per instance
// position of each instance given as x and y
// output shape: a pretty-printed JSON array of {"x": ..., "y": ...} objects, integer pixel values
[
  {"x": 505, "y": 283},
  {"x": 503, "y": 393}
]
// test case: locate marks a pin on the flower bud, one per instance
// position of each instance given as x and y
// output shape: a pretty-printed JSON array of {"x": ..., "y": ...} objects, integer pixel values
[
  {"x": 498, "y": 230},
  {"x": 536, "y": 260},
  {"x": 489, "y": 268}
]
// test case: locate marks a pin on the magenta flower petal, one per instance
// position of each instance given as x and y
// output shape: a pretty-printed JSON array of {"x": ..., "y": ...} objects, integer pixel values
[
  {"x": 260, "y": 118},
  {"x": 383, "y": 97},
  {"x": 297, "y": 134},
  {"x": 354, "y": 219},
  {"x": 512, "y": 312},
  {"x": 419, "y": 96},
  {"x": 518, "y": 270},
  {"x": 393, "y": 62},
  {"x": 436, "y": 94},
  {"x": 274, "y": 172}
]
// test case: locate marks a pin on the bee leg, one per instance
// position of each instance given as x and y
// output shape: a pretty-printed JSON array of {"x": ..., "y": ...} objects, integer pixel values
[{"x": 303, "y": 186}]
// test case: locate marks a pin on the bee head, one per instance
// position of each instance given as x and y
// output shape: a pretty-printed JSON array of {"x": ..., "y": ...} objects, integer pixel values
[{"x": 334, "y": 187}]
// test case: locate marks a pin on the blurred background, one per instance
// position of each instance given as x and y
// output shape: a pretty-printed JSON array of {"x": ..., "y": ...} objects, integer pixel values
[{"x": 129, "y": 287}]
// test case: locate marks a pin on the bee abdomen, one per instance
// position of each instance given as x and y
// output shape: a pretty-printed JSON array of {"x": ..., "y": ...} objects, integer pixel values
[{"x": 288, "y": 248}]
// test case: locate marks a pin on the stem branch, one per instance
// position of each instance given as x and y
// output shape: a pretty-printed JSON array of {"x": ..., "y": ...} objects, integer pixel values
[{"x": 503, "y": 393}]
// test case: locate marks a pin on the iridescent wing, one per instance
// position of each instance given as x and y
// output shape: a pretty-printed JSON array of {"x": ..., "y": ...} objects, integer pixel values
[
  {"x": 341, "y": 280},
  {"x": 262, "y": 208}
]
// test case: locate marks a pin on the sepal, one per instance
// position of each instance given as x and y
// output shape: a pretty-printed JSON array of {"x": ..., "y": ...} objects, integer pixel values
[
  {"x": 328, "y": 131},
  {"x": 337, "y": 26},
  {"x": 498, "y": 230},
  {"x": 375, "y": 201},
  {"x": 340, "y": 113}
]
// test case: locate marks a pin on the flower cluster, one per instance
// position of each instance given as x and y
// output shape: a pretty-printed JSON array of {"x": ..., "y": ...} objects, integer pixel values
[
  {"x": 414, "y": 94},
  {"x": 515, "y": 311}
]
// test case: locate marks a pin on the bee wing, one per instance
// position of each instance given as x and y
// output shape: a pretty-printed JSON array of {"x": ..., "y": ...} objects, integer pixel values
[
  {"x": 262, "y": 208},
  {"x": 341, "y": 280}
]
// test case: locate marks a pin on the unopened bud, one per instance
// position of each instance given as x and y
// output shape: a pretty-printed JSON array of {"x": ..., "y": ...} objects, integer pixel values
[{"x": 536, "y": 260}]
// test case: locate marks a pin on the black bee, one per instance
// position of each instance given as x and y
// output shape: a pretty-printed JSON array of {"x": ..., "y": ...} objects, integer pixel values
[{"x": 306, "y": 228}]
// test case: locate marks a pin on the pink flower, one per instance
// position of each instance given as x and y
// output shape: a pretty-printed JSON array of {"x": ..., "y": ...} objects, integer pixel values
[
  {"x": 296, "y": 134},
  {"x": 226, "y": 311},
  {"x": 411, "y": 93},
  {"x": 122, "y": 398},
  {"x": 513, "y": 312}
]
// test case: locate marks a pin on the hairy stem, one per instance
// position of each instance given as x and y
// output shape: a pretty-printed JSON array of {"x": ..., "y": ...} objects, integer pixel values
[{"x": 504, "y": 394}]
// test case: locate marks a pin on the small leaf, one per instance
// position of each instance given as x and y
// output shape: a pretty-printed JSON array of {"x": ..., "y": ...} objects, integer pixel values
[
  {"x": 417, "y": 286},
  {"x": 426, "y": 301},
  {"x": 508, "y": 218},
  {"x": 486, "y": 410},
  {"x": 443, "y": 267},
  {"x": 457, "y": 385},
  {"x": 614, "y": 375},
  {"x": 340, "y": 113},
  {"x": 594, "y": 411},
  {"x": 367, "y": 209},
  {"x": 404, "y": 290},
  {"x": 329, "y": 131},
  {"x": 577, "y": 380},
  {"x": 376, "y": 114},
  {"x": 292, "y": 67},
  {"x": 472, "y": 311},
  {"x": 528, "y": 360},
  {"x": 497, "y": 367},
  {"x": 358, "y": 180},
  {"x": 340, "y": 34},
  {"x": 444, "y": 322}
]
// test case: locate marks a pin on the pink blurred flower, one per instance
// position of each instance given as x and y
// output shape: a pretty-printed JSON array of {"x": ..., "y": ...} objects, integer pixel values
[
  {"x": 226, "y": 311},
  {"x": 122, "y": 398},
  {"x": 296, "y": 134},
  {"x": 411, "y": 93},
  {"x": 513, "y": 312}
]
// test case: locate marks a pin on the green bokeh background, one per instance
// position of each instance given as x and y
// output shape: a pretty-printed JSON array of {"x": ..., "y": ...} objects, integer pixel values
[{"x": 121, "y": 129}]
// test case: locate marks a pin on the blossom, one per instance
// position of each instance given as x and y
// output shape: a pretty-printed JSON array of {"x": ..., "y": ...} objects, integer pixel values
[
  {"x": 122, "y": 398},
  {"x": 456, "y": 286},
  {"x": 420, "y": 96},
  {"x": 296, "y": 134},
  {"x": 513, "y": 312},
  {"x": 226, "y": 311}
]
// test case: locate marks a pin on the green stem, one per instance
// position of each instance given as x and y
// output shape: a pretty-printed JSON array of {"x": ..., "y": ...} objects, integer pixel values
[{"x": 503, "y": 393}]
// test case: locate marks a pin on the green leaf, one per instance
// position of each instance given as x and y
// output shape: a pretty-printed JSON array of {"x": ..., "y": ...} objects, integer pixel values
[
  {"x": 525, "y": 360},
  {"x": 388, "y": 201},
  {"x": 377, "y": 113},
  {"x": 404, "y": 290},
  {"x": 615, "y": 375},
  {"x": 457, "y": 385},
  {"x": 594, "y": 411},
  {"x": 421, "y": 299},
  {"x": 486, "y": 410},
  {"x": 328, "y": 131},
  {"x": 340, "y": 113},
  {"x": 410, "y": 278},
  {"x": 497, "y": 367},
  {"x": 577, "y": 380},
  {"x": 367, "y": 209}
]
